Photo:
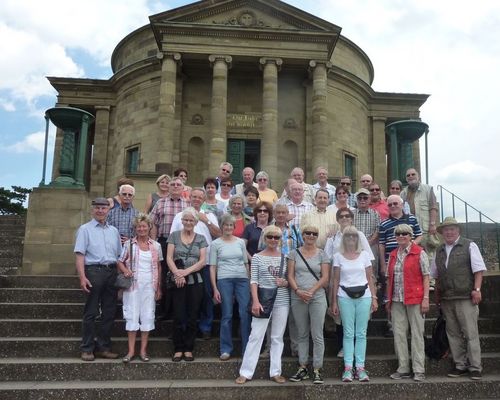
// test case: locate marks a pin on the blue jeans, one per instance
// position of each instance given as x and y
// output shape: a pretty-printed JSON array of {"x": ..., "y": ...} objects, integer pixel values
[
  {"x": 228, "y": 289},
  {"x": 207, "y": 305},
  {"x": 355, "y": 314}
]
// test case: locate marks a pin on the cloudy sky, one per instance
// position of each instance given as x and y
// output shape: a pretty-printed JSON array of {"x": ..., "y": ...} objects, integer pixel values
[{"x": 448, "y": 49}]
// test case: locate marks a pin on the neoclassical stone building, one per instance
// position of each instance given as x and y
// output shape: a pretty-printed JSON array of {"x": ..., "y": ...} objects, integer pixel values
[{"x": 256, "y": 82}]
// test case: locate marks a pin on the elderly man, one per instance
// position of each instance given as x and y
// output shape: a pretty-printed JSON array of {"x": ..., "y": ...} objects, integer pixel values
[
  {"x": 366, "y": 180},
  {"x": 162, "y": 215},
  {"x": 247, "y": 174},
  {"x": 458, "y": 269},
  {"x": 207, "y": 226},
  {"x": 423, "y": 205},
  {"x": 367, "y": 221},
  {"x": 387, "y": 239},
  {"x": 225, "y": 171},
  {"x": 322, "y": 183},
  {"x": 320, "y": 217},
  {"x": 297, "y": 205},
  {"x": 346, "y": 183},
  {"x": 97, "y": 249},
  {"x": 308, "y": 192},
  {"x": 285, "y": 198},
  {"x": 122, "y": 216},
  {"x": 376, "y": 202}
]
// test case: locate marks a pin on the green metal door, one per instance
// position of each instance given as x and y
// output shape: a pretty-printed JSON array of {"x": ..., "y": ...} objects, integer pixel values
[{"x": 241, "y": 154}]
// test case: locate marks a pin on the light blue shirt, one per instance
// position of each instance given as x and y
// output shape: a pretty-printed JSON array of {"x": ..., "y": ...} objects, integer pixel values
[
  {"x": 230, "y": 258},
  {"x": 100, "y": 244}
]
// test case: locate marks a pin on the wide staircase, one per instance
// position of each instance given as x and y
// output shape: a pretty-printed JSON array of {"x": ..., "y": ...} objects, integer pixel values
[{"x": 40, "y": 322}]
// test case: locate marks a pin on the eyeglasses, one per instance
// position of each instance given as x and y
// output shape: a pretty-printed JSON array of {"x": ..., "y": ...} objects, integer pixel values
[
  {"x": 274, "y": 237},
  {"x": 395, "y": 188},
  {"x": 402, "y": 234},
  {"x": 175, "y": 184},
  {"x": 345, "y": 183},
  {"x": 226, "y": 184},
  {"x": 344, "y": 216},
  {"x": 365, "y": 180},
  {"x": 375, "y": 190},
  {"x": 362, "y": 197},
  {"x": 126, "y": 194},
  {"x": 309, "y": 233},
  {"x": 225, "y": 170},
  {"x": 412, "y": 174},
  {"x": 393, "y": 204},
  {"x": 262, "y": 180},
  {"x": 263, "y": 210}
]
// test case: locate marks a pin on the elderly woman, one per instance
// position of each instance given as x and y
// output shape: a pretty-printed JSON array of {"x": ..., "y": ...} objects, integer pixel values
[
  {"x": 308, "y": 275},
  {"x": 265, "y": 193},
  {"x": 341, "y": 199},
  {"x": 211, "y": 204},
  {"x": 183, "y": 174},
  {"x": 229, "y": 277},
  {"x": 226, "y": 185},
  {"x": 140, "y": 259},
  {"x": 354, "y": 297},
  {"x": 251, "y": 199},
  {"x": 186, "y": 256},
  {"x": 396, "y": 187},
  {"x": 162, "y": 185},
  {"x": 236, "y": 203},
  {"x": 408, "y": 301},
  {"x": 263, "y": 216},
  {"x": 268, "y": 270}
]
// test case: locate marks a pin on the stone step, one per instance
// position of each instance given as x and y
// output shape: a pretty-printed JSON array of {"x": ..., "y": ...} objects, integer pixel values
[
  {"x": 71, "y": 327},
  {"x": 42, "y": 347},
  {"x": 59, "y": 369},
  {"x": 262, "y": 389},
  {"x": 41, "y": 281}
]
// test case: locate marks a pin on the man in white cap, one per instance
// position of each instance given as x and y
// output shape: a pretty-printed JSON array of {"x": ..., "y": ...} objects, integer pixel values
[{"x": 458, "y": 269}]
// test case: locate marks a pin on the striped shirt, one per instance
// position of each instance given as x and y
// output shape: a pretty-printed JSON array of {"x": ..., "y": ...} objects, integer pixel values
[
  {"x": 264, "y": 271},
  {"x": 386, "y": 231},
  {"x": 164, "y": 211}
]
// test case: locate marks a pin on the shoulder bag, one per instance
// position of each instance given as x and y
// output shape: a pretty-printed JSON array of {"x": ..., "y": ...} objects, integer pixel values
[
  {"x": 122, "y": 281},
  {"x": 267, "y": 296},
  {"x": 313, "y": 274}
]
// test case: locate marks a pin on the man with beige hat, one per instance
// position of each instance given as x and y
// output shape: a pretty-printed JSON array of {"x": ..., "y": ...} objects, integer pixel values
[{"x": 458, "y": 269}]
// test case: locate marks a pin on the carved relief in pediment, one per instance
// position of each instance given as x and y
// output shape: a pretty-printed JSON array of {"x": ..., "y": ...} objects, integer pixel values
[{"x": 248, "y": 19}]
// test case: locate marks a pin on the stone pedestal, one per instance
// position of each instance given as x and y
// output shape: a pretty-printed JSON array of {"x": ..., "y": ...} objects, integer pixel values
[{"x": 54, "y": 215}]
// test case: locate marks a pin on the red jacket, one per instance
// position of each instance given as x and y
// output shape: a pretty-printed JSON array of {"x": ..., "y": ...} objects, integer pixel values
[{"x": 413, "y": 280}]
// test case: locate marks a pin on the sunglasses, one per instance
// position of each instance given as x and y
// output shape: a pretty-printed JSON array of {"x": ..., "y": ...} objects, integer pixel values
[
  {"x": 226, "y": 184},
  {"x": 393, "y": 204},
  {"x": 274, "y": 237},
  {"x": 374, "y": 190},
  {"x": 309, "y": 233},
  {"x": 263, "y": 210},
  {"x": 344, "y": 216},
  {"x": 345, "y": 183},
  {"x": 362, "y": 197},
  {"x": 262, "y": 180},
  {"x": 402, "y": 233},
  {"x": 225, "y": 170}
]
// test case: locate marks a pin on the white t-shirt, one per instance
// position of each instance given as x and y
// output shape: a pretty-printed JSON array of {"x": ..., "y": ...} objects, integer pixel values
[{"x": 352, "y": 272}]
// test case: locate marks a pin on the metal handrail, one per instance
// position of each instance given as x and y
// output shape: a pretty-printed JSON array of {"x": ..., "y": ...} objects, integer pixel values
[{"x": 467, "y": 206}]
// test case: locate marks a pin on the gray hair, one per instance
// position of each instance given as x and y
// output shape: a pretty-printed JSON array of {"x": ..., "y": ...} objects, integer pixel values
[
  {"x": 235, "y": 197},
  {"x": 403, "y": 228},
  {"x": 127, "y": 187},
  {"x": 226, "y": 164},
  {"x": 262, "y": 174},
  {"x": 190, "y": 211},
  {"x": 397, "y": 182},
  {"x": 227, "y": 219}
]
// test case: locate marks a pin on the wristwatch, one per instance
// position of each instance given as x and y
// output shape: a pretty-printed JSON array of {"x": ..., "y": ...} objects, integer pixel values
[
  {"x": 209, "y": 222},
  {"x": 478, "y": 289}
]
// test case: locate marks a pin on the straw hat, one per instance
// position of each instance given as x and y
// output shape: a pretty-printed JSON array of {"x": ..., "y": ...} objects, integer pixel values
[{"x": 448, "y": 221}]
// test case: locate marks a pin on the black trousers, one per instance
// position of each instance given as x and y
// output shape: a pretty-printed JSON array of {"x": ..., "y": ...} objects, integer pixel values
[{"x": 102, "y": 294}]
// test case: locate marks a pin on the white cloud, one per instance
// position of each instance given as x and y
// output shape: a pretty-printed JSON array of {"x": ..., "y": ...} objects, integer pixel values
[
  {"x": 32, "y": 143},
  {"x": 7, "y": 105}
]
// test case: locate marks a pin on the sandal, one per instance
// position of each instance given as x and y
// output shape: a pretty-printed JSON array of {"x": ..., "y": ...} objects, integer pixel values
[
  {"x": 278, "y": 379},
  {"x": 144, "y": 357},
  {"x": 127, "y": 358},
  {"x": 177, "y": 357},
  {"x": 240, "y": 380},
  {"x": 188, "y": 356}
]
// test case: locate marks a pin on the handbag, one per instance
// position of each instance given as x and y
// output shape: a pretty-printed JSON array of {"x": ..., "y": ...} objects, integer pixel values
[
  {"x": 267, "y": 296},
  {"x": 355, "y": 292},
  {"x": 122, "y": 281},
  {"x": 313, "y": 274},
  {"x": 180, "y": 264}
]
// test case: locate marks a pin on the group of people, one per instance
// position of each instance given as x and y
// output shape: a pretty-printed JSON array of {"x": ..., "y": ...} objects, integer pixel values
[{"x": 327, "y": 256}]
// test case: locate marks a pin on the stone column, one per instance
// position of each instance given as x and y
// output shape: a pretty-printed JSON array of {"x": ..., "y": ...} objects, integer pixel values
[
  {"x": 166, "y": 115},
  {"x": 269, "y": 145},
  {"x": 379, "y": 151},
  {"x": 218, "y": 112},
  {"x": 99, "y": 156},
  {"x": 320, "y": 134}
]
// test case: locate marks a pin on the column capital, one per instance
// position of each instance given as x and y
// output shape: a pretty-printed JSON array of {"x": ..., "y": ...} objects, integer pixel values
[
  {"x": 218, "y": 57},
  {"x": 160, "y": 55},
  {"x": 314, "y": 63},
  {"x": 102, "y": 108},
  {"x": 379, "y": 119},
  {"x": 270, "y": 60}
]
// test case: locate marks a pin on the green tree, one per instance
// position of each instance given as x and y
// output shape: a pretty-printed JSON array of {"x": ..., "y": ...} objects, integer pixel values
[{"x": 11, "y": 201}]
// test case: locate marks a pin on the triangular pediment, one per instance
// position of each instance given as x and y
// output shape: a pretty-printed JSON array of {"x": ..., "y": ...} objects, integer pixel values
[{"x": 246, "y": 14}]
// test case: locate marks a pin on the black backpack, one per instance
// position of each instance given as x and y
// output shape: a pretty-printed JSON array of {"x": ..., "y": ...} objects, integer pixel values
[{"x": 437, "y": 347}]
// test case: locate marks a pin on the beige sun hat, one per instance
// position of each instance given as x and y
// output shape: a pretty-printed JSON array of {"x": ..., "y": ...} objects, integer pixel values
[{"x": 448, "y": 221}]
